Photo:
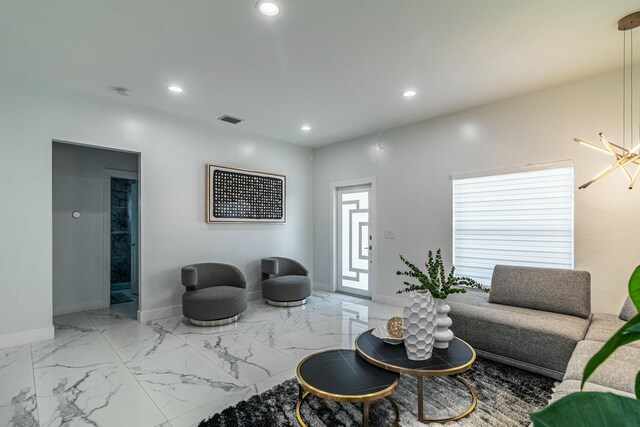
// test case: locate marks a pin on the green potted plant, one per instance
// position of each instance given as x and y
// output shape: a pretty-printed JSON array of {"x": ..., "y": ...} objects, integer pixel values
[
  {"x": 436, "y": 282},
  {"x": 598, "y": 409}
]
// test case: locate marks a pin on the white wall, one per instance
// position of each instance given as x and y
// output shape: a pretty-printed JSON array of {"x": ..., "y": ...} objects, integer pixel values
[
  {"x": 78, "y": 259},
  {"x": 174, "y": 152},
  {"x": 413, "y": 164}
]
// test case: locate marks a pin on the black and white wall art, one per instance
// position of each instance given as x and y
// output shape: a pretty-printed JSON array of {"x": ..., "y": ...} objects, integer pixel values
[{"x": 239, "y": 195}]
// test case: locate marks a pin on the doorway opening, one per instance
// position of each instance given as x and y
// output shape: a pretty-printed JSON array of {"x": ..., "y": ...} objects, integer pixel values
[
  {"x": 96, "y": 229},
  {"x": 123, "y": 237},
  {"x": 354, "y": 238}
]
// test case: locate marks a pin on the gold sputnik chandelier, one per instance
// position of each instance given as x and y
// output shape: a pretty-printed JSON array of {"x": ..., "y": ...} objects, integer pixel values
[{"x": 626, "y": 156}]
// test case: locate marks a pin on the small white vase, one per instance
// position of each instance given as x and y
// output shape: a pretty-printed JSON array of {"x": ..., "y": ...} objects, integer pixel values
[
  {"x": 419, "y": 325},
  {"x": 443, "y": 322}
]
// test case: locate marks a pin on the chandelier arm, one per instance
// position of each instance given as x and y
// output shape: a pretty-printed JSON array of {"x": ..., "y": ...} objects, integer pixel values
[
  {"x": 602, "y": 150},
  {"x": 608, "y": 144},
  {"x": 634, "y": 179},
  {"x": 621, "y": 162},
  {"x": 626, "y": 172},
  {"x": 624, "y": 150},
  {"x": 591, "y": 145}
]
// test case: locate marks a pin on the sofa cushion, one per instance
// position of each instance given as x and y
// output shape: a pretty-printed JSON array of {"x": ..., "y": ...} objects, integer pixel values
[
  {"x": 549, "y": 289},
  {"x": 218, "y": 302},
  {"x": 535, "y": 337},
  {"x": 629, "y": 310},
  {"x": 603, "y": 326},
  {"x": 286, "y": 288},
  {"x": 617, "y": 372},
  {"x": 573, "y": 386}
]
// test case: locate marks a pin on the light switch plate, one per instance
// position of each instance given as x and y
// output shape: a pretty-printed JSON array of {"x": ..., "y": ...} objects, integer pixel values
[{"x": 389, "y": 235}]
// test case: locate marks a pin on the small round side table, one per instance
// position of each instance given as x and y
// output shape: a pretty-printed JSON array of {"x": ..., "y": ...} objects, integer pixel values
[
  {"x": 444, "y": 362},
  {"x": 343, "y": 376}
]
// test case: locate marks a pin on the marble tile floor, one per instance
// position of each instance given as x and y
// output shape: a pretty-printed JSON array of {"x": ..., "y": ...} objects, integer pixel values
[{"x": 104, "y": 368}]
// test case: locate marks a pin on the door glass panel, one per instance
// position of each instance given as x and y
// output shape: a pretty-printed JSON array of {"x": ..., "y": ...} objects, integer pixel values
[{"x": 354, "y": 240}]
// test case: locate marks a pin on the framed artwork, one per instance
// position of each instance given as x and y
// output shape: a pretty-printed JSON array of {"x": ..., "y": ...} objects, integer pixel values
[{"x": 241, "y": 195}]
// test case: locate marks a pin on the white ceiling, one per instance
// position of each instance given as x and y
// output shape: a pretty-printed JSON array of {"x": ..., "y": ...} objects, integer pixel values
[{"x": 338, "y": 65}]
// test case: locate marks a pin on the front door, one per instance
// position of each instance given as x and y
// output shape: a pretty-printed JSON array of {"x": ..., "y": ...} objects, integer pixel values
[{"x": 354, "y": 240}]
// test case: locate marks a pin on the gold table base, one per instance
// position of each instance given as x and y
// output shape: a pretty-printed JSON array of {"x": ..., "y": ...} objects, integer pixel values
[
  {"x": 470, "y": 409},
  {"x": 365, "y": 410}
]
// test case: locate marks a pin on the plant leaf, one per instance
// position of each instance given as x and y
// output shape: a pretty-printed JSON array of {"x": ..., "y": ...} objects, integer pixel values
[
  {"x": 632, "y": 329},
  {"x": 627, "y": 333},
  {"x": 634, "y": 288},
  {"x": 589, "y": 409},
  {"x": 638, "y": 386}
]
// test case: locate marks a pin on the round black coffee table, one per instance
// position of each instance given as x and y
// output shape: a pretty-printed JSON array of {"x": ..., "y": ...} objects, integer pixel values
[
  {"x": 444, "y": 362},
  {"x": 343, "y": 376}
]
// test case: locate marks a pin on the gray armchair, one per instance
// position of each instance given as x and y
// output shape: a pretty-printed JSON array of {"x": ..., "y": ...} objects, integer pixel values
[
  {"x": 216, "y": 294},
  {"x": 285, "y": 282}
]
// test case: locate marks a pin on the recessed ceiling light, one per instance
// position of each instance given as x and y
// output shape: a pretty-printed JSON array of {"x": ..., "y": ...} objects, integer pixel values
[
  {"x": 268, "y": 8},
  {"x": 175, "y": 89},
  {"x": 409, "y": 93},
  {"x": 305, "y": 128}
]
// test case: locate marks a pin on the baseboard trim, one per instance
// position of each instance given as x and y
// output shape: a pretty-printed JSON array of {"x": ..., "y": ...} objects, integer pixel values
[
  {"x": 323, "y": 287},
  {"x": 159, "y": 313},
  {"x": 26, "y": 337},
  {"x": 254, "y": 295},
  {"x": 76, "y": 308},
  {"x": 388, "y": 299},
  {"x": 175, "y": 310}
]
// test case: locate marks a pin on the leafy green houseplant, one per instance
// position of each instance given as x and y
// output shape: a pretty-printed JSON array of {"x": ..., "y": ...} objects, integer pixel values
[
  {"x": 434, "y": 279},
  {"x": 596, "y": 408}
]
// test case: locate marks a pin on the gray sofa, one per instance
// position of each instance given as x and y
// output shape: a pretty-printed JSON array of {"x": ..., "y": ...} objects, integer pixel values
[
  {"x": 285, "y": 282},
  {"x": 540, "y": 320},
  {"x": 533, "y": 318},
  {"x": 215, "y": 294},
  {"x": 617, "y": 374}
]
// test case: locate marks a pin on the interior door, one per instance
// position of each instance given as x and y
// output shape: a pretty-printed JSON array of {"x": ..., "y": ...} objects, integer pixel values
[{"x": 354, "y": 240}]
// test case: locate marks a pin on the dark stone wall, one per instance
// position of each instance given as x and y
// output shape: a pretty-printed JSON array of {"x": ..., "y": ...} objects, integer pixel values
[{"x": 120, "y": 231}]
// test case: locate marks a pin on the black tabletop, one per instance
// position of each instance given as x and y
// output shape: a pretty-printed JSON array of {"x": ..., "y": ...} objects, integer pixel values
[
  {"x": 342, "y": 375},
  {"x": 455, "y": 359}
]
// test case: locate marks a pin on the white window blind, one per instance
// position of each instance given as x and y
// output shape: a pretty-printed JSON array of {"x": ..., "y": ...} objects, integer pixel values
[{"x": 523, "y": 218}]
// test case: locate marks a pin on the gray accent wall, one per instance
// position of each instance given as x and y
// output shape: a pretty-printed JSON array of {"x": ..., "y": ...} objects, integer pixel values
[{"x": 413, "y": 165}]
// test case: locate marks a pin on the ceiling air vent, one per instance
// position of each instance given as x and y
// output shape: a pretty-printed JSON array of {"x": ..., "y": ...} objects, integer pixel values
[{"x": 230, "y": 119}]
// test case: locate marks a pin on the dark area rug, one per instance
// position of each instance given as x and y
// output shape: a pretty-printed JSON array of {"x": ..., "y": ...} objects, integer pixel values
[
  {"x": 506, "y": 396},
  {"x": 119, "y": 298}
]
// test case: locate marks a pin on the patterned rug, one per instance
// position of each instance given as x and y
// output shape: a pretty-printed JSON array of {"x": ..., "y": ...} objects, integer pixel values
[{"x": 506, "y": 396}]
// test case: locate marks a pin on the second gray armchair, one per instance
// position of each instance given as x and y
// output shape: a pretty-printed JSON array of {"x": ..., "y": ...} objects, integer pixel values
[{"x": 285, "y": 282}]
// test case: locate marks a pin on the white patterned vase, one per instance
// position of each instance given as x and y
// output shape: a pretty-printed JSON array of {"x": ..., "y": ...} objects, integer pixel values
[
  {"x": 443, "y": 322},
  {"x": 419, "y": 325}
]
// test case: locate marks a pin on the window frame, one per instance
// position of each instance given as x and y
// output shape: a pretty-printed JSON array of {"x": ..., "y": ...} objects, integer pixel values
[{"x": 508, "y": 171}]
